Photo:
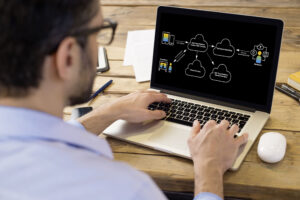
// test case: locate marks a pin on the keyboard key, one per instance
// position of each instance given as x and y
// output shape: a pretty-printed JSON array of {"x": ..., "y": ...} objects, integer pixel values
[
  {"x": 180, "y": 122},
  {"x": 227, "y": 115},
  {"x": 199, "y": 117},
  {"x": 220, "y": 113},
  {"x": 200, "y": 109},
  {"x": 242, "y": 123},
  {"x": 221, "y": 118},
  {"x": 207, "y": 114},
  {"x": 242, "y": 118},
  {"x": 194, "y": 111},
  {"x": 192, "y": 115},
  {"x": 186, "y": 118},
  {"x": 234, "y": 116},
  {"x": 200, "y": 113},
  {"x": 186, "y": 114},
  {"x": 213, "y": 112},
  {"x": 173, "y": 110},
  {"x": 187, "y": 110},
  {"x": 214, "y": 116},
  {"x": 228, "y": 119},
  {"x": 172, "y": 115},
  {"x": 179, "y": 112},
  {"x": 235, "y": 121},
  {"x": 192, "y": 120},
  {"x": 179, "y": 117}
]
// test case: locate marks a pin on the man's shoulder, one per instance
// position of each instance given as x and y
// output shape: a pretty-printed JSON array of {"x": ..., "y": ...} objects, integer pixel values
[
  {"x": 59, "y": 157},
  {"x": 65, "y": 171}
]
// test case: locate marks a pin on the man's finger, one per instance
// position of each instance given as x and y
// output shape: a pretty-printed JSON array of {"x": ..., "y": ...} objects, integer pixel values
[
  {"x": 155, "y": 114},
  {"x": 233, "y": 130},
  {"x": 209, "y": 125},
  {"x": 151, "y": 91},
  {"x": 241, "y": 149},
  {"x": 224, "y": 124},
  {"x": 242, "y": 139},
  {"x": 159, "y": 98},
  {"x": 195, "y": 129}
]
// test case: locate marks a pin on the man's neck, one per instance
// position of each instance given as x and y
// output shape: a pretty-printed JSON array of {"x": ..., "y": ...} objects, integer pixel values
[{"x": 44, "y": 103}]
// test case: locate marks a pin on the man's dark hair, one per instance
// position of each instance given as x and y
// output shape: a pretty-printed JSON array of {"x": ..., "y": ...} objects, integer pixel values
[{"x": 31, "y": 30}]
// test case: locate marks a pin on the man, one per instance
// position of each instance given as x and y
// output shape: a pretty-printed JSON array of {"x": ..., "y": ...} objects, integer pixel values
[{"x": 47, "y": 58}]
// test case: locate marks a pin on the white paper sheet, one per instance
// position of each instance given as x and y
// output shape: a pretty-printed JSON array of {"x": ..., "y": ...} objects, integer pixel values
[
  {"x": 142, "y": 61},
  {"x": 134, "y": 38},
  {"x": 139, "y": 53}
]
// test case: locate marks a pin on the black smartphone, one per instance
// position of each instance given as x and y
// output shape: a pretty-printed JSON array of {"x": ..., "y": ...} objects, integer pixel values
[{"x": 78, "y": 112}]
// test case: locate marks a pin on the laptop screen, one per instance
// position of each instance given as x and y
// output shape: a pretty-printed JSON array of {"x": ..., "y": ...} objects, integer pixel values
[{"x": 224, "y": 57}]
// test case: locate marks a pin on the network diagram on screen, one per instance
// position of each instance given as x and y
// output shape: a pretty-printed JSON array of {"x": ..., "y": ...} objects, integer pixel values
[{"x": 218, "y": 72}]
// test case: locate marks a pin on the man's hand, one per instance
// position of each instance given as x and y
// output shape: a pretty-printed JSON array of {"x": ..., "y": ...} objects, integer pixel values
[
  {"x": 213, "y": 150},
  {"x": 132, "y": 108}
]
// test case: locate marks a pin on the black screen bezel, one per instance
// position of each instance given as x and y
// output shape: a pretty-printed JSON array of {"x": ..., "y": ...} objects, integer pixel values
[{"x": 224, "y": 16}]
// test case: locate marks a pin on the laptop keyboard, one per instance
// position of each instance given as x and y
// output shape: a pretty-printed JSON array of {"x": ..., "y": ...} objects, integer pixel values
[{"x": 186, "y": 113}]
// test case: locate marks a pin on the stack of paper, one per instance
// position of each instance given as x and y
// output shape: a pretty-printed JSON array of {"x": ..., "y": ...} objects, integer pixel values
[{"x": 139, "y": 53}]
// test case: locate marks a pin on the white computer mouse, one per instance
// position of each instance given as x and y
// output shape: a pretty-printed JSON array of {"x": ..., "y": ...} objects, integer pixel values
[{"x": 271, "y": 147}]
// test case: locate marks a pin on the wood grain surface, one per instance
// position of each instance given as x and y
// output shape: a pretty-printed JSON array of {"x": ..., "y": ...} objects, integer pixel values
[{"x": 255, "y": 179}]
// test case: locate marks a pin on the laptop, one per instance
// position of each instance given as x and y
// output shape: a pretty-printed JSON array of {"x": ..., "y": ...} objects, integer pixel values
[{"x": 213, "y": 66}]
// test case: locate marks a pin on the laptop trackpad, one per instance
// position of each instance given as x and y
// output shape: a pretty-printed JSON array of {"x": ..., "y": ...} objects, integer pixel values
[
  {"x": 161, "y": 135},
  {"x": 172, "y": 136}
]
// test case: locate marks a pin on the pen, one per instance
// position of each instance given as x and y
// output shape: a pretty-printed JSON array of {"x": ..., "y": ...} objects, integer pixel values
[
  {"x": 291, "y": 90},
  {"x": 288, "y": 93},
  {"x": 100, "y": 90}
]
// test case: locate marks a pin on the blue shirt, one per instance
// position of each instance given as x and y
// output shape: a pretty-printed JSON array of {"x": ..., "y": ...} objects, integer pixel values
[{"x": 42, "y": 157}]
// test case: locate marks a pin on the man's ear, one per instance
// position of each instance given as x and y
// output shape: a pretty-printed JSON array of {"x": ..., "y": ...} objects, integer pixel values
[{"x": 67, "y": 58}]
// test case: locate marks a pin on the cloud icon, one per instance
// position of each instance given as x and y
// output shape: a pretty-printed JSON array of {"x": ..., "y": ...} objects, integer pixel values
[
  {"x": 198, "y": 44},
  {"x": 224, "y": 49},
  {"x": 220, "y": 74},
  {"x": 195, "y": 69},
  {"x": 260, "y": 47}
]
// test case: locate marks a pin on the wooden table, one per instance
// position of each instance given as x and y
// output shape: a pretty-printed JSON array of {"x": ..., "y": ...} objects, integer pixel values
[{"x": 255, "y": 179}]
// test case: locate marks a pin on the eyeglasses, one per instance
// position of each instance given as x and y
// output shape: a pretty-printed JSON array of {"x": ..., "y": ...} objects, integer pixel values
[
  {"x": 106, "y": 32},
  {"x": 105, "y": 36}
]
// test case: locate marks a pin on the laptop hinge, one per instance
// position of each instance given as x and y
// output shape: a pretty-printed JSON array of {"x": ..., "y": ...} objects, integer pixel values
[{"x": 213, "y": 101}]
